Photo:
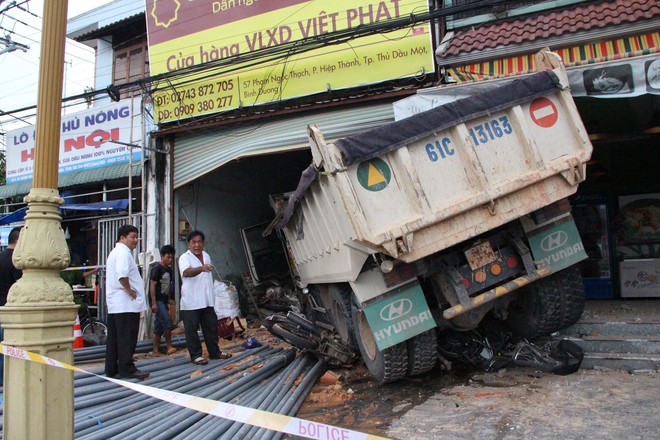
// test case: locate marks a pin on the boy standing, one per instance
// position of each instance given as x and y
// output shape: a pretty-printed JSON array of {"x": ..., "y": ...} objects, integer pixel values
[{"x": 161, "y": 284}]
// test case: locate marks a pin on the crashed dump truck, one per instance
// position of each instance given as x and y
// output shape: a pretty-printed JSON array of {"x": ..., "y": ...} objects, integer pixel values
[{"x": 436, "y": 220}]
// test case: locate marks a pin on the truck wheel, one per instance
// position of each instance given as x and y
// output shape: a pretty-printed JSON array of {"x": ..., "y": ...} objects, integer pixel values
[
  {"x": 537, "y": 311},
  {"x": 548, "y": 305},
  {"x": 385, "y": 366},
  {"x": 422, "y": 353},
  {"x": 572, "y": 296},
  {"x": 339, "y": 308}
]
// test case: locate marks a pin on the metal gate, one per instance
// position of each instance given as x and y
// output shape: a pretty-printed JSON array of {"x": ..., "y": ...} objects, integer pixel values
[{"x": 107, "y": 238}]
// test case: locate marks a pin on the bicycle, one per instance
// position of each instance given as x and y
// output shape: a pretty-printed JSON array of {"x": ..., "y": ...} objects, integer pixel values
[{"x": 95, "y": 329}]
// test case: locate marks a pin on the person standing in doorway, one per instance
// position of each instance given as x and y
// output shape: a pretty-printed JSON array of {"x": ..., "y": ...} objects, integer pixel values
[
  {"x": 160, "y": 286},
  {"x": 9, "y": 274},
  {"x": 125, "y": 299},
  {"x": 197, "y": 300}
]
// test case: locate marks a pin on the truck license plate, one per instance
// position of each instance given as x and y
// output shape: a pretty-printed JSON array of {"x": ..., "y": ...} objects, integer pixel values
[{"x": 480, "y": 255}]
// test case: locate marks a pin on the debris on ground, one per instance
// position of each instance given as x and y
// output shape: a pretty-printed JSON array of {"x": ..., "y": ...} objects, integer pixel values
[{"x": 330, "y": 378}]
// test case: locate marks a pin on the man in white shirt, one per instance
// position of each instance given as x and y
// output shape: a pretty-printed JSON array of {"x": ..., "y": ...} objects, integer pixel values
[
  {"x": 197, "y": 300},
  {"x": 125, "y": 298}
]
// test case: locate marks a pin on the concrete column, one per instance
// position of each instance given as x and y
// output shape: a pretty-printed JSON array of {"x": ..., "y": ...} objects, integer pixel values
[{"x": 39, "y": 315}]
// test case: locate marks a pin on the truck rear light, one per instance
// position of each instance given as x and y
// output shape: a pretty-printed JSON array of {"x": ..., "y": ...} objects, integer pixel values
[
  {"x": 506, "y": 266},
  {"x": 512, "y": 262},
  {"x": 480, "y": 276}
]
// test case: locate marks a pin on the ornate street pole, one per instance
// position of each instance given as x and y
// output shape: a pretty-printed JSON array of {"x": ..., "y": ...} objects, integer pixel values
[{"x": 39, "y": 315}]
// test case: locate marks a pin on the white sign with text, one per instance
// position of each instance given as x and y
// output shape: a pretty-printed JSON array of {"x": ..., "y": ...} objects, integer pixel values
[{"x": 87, "y": 141}]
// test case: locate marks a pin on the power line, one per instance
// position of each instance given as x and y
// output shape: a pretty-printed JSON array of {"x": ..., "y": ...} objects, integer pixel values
[{"x": 27, "y": 10}]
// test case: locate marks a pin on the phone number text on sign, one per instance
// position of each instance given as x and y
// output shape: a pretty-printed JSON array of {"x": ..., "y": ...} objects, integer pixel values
[{"x": 196, "y": 99}]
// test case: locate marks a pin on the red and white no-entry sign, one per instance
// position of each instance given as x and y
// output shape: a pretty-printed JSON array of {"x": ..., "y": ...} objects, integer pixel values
[{"x": 543, "y": 112}]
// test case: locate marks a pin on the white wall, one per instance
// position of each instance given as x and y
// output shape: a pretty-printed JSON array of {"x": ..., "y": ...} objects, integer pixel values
[{"x": 103, "y": 75}]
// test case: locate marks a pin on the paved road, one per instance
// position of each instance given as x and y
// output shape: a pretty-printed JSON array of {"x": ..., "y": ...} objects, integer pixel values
[
  {"x": 517, "y": 403},
  {"x": 522, "y": 404}
]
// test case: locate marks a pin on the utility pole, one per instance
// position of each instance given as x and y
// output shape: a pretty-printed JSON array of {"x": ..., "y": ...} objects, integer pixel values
[{"x": 39, "y": 315}]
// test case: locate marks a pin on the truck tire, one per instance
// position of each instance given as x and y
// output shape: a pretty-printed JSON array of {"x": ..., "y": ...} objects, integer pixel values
[
  {"x": 537, "y": 311},
  {"x": 385, "y": 366},
  {"x": 422, "y": 353},
  {"x": 339, "y": 311},
  {"x": 572, "y": 296},
  {"x": 548, "y": 305}
]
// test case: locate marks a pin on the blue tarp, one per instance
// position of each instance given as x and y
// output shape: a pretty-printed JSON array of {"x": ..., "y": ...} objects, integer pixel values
[
  {"x": 110, "y": 205},
  {"x": 102, "y": 207},
  {"x": 13, "y": 217}
]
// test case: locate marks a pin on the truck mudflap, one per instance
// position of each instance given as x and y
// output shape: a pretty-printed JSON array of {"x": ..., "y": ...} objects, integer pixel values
[{"x": 399, "y": 316}]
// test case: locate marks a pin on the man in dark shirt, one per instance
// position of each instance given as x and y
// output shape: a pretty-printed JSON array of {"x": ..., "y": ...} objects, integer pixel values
[
  {"x": 8, "y": 276},
  {"x": 8, "y": 273}
]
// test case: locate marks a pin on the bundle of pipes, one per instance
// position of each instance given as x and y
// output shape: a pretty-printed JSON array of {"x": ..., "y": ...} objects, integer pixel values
[
  {"x": 269, "y": 378},
  {"x": 98, "y": 351}
]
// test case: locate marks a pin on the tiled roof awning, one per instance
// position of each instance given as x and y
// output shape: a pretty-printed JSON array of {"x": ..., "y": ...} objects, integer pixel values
[
  {"x": 570, "y": 26},
  {"x": 620, "y": 48},
  {"x": 594, "y": 32}
]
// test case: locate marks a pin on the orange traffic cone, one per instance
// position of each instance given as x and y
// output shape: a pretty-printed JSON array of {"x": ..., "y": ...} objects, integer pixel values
[{"x": 77, "y": 334}]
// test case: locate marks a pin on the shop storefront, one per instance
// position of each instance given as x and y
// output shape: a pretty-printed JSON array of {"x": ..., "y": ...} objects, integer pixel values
[
  {"x": 223, "y": 177},
  {"x": 238, "y": 133}
]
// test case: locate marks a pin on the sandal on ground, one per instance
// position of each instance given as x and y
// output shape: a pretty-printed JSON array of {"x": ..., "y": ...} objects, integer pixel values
[
  {"x": 171, "y": 350},
  {"x": 222, "y": 355},
  {"x": 200, "y": 361}
]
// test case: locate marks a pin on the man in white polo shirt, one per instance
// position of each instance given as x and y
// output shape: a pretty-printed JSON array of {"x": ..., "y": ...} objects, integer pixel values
[
  {"x": 197, "y": 300},
  {"x": 125, "y": 299}
]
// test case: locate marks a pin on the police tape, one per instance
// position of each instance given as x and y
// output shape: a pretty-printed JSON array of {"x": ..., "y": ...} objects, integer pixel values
[{"x": 236, "y": 413}]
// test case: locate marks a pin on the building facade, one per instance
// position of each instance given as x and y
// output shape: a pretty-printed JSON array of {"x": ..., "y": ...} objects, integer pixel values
[{"x": 230, "y": 89}]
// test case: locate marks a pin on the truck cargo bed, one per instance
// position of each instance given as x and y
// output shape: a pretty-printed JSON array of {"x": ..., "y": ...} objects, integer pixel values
[{"x": 423, "y": 184}]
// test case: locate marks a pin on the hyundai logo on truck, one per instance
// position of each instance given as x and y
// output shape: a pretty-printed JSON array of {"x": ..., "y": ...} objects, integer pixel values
[
  {"x": 558, "y": 247},
  {"x": 399, "y": 317},
  {"x": 396, "y": 309},
  {"x": 554, "y": 241}
]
